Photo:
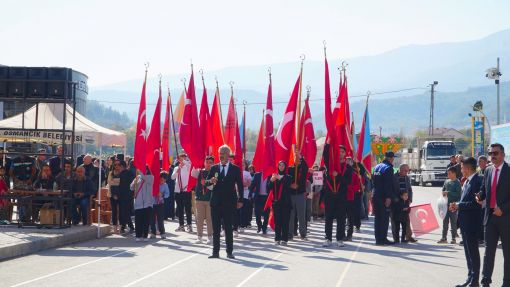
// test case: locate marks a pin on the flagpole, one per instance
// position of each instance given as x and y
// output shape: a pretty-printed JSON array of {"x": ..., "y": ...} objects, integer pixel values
[
  {"x": 173, "y": 122},
  {"x": 298, "y": 147},
  {"x": 244, "y": 130}
]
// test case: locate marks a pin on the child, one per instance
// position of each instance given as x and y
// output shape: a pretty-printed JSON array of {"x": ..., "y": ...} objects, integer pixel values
[
  {"x": 142, "y": 187},
  {"x": 452, "y": 189},
  {"x": 158, "y": 209},
  {"x": 401, "y": 209}
]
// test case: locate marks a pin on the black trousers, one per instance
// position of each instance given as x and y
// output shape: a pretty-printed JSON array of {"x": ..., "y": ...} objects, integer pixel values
[
  {"x": 496, "y": 228},
  {"x": 472, "y": 255},
  {"x": 158, "y": 213},
  {"x": 236, "y": 218},
  {"x": 125, "y": 207},
  {"x": 335, "y": 208},
  {"x": 115, "y": 210},
  {"x": 381, "y": 220},
  {"x": 399, "y": 223},
  {"x": 246, "y": 213},
  {"x": 142, "y": 220},
  {"x": 183, "y": 200},
  {"x": 281, "y": 216},
  {"x": 170, "y": 207},
  {"x": 353, "y": 213},
  {"x": 260, "y": 201},
  {"x": 219, "y": 215}
]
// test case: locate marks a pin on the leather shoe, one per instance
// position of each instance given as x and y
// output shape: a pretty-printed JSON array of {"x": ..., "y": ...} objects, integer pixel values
[
  {"x": 231, "y": 256},
  {"x": 475, "y": 284},
  {"x": 214, "y": 256},
  {"x": 486, "y": 285},
  {"x": 463, "y": 284}
]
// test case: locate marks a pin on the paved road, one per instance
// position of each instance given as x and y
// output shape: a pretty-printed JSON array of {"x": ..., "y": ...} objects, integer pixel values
[{"x": 119, "y": 261}]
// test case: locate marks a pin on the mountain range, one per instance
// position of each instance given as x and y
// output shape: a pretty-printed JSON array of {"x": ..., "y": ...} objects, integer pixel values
[{"x": 458, "y": 67}]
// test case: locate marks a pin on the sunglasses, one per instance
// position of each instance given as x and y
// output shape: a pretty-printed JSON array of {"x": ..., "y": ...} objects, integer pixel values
[{"x": 496, "y": 153}]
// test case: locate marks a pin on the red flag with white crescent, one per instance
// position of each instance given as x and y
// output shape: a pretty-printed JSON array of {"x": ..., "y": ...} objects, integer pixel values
[
  {"x": 154, "y": 145},
  {"x": 269, "y": 154},
  {"x": 189, "y": 130},
  {"x": 308, "y": 146},
  {"x": 205, "y": 125},
  {"x": 287, "y": 129},
  {"x": 423, "y": 220},
  {"x": 141, "y": 132}
]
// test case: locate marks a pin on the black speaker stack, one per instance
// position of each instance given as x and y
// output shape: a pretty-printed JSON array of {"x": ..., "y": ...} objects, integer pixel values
[{"x": 36, "y": 82}]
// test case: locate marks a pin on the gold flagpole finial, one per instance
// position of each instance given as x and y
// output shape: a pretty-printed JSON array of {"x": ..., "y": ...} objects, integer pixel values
[
  {"x": 324, "y": 44},
  {"x": 146, "y": 64}
]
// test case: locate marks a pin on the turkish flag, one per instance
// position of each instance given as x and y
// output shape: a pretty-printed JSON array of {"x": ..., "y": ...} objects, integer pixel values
[
  {"x": 327, "y": 99},
  {"x": 189, "y": 130},
  {"x": 308, "y": 144},
  {"x": 141, "y": 132},
  {"x": 343, "y": 119},
  {"x": 258, "y": 157},
  {"x": 216, "y": 125},
  {"x": 205, "y": 125},
  {"x": 165, "y": 142},
  {"x": 154, "y": 144},
  {"x": 232, "y": 136},
  {"x": 269, "y": 164},
  {"x": 287, "y": 129},
  {"x": 423, "y": 219}
]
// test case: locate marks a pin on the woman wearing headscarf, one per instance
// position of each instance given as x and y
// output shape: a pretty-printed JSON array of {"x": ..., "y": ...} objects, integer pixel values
[{"x": 279, "y": 186}]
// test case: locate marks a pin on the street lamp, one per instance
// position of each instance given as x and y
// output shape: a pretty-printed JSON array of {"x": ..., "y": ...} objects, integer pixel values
[{"x": 495, "y": 74}]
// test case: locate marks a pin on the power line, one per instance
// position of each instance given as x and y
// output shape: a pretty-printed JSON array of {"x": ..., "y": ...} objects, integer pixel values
[{"x": 280, "y": 102}]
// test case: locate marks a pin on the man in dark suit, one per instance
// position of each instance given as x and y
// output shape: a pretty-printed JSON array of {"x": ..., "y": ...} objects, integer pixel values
[
  {"x": 225, "y": 177},
  {"x": 469, "y": 219},
  {"x": 496, "y": 193}
]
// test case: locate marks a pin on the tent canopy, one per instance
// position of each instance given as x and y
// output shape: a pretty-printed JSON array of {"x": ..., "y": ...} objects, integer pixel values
[{"x": 49, "y": 116}]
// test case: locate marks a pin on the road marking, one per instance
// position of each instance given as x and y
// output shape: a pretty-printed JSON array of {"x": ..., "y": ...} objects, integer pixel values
[
  {"x": 74, "y": 267},
  {"x": 258, "y": 270},
  {"x": 344, "y": 273},
  {"x": 166, "y": 267}
]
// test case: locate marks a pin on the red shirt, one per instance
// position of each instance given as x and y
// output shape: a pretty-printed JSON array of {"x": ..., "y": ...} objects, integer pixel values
[
  {"x": 3, "y": 191},
  {"x": 354, "y": 187}
]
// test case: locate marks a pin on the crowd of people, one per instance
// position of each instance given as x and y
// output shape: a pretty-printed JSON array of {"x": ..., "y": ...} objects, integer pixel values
[{"x": 223, "y": 197}]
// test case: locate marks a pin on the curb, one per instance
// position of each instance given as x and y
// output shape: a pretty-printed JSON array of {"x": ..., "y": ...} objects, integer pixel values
[{"x": 25, "y": 248}]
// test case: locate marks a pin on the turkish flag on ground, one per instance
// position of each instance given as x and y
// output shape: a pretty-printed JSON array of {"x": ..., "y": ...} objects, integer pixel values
[
  {"x": 287, "y": 129},
  {"x": 165, "y": 142},
  {"x": 232, "y": 136},
  {"x": 189, "y": 130},
  {"x": 141, "y": 132},
  {"x": 205, "y": 125},
  {"x": 269, "y": 163},
  {"x": 154, "y": 144},
  {"x": 216, "y": 125},
  {"x": 258, "y": 157},
  {"x": 308, "y": 144},
  {"x": 423, "y": 219}
]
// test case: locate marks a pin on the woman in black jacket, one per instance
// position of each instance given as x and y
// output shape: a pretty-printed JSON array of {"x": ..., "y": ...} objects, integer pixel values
[{"x": 279, "y": 185}]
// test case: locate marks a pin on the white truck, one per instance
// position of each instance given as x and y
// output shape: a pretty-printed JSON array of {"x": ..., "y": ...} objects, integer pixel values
[{"x": 428, "y": 160}]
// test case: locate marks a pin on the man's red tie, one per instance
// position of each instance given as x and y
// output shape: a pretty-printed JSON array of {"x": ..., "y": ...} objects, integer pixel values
[{"x": 493, "y": 189}]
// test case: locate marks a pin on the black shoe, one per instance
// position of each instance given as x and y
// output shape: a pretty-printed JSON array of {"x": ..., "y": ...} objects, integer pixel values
[
  {"x": 231, "y": 256},
  {"x": 214, "y": 256},
  {"x": 387, "y": 242},
  {"x": 465, "y": 284},
  {"x": 486, "y": 285},
  {"x": 259, "y": 230},
  {"x": 475, "y": 284}
]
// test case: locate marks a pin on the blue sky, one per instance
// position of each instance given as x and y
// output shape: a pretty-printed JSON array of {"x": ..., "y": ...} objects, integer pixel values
[{"x": 110, "y": 40}]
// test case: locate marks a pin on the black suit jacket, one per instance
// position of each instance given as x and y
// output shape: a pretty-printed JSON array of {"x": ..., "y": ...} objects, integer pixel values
[
  {"x": 470, "y": 212},
  {"x": 502, "y": 191},
  {"x": 255, "y": 185},
  {"x": 224, "y": 192}
]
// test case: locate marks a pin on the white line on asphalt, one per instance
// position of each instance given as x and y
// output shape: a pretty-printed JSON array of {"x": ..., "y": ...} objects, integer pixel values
[
  {"x": 166, "y": 267},
  {"x": 74, "y": 267},
  {"x": 258, "y": 270},
  {"x": 342, "y": 277}
]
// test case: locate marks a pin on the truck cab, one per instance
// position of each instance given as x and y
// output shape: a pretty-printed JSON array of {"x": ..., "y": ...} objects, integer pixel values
[{"x": 434, "y": 157}]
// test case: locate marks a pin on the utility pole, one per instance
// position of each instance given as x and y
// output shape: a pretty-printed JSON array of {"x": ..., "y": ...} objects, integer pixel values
[
  {"x": 431, "y": 118},
  {"x": 495, "y": 74}
]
